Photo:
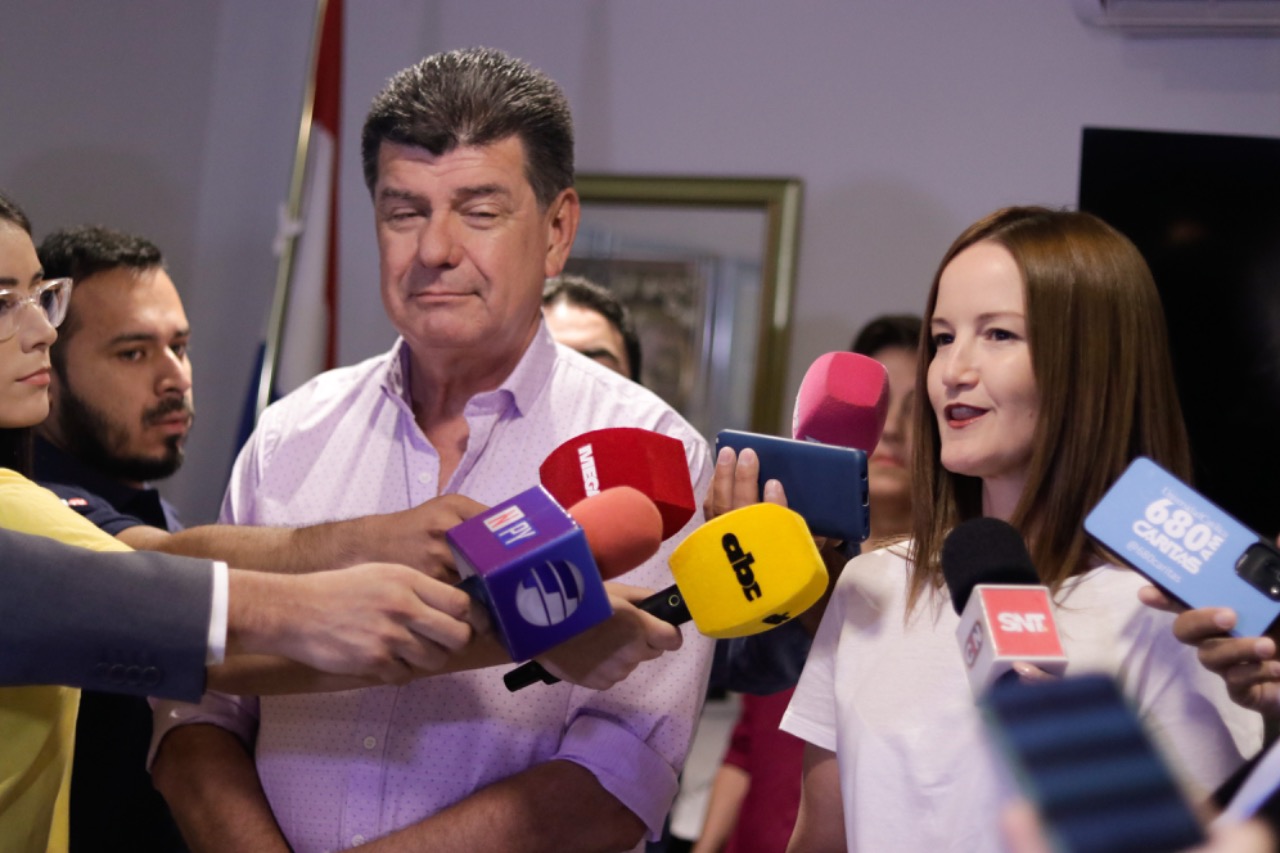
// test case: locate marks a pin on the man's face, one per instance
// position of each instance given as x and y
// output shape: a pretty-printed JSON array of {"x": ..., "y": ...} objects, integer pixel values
[
  {"x": 589, "y": 333},
  {"x": 124, "y": 403},
  {"x": 465, "y": 247}
]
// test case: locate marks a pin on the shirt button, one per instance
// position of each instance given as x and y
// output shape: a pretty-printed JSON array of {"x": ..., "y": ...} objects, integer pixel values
[
  {"x": 424, "y": 478},
  {"x": 370, "y": 742},
  {"x": 357, "y": 839}
]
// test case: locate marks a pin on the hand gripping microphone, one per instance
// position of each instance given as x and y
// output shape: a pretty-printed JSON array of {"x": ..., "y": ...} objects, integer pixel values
[
  {"x": 743, "y": 573},
  {"x": 653, "y": 463},
  {"x": 839, "y": 415},
  {"x": 1005, "y": 612},
  {"x": 532, "y": 564}
]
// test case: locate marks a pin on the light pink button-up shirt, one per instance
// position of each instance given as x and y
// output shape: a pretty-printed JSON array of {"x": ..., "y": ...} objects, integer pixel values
[{"x": 343, "y": 768}]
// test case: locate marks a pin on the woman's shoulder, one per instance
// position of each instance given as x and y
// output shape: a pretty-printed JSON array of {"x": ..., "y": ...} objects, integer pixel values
[
  {"x": 1107, "y": 584},
  {"x": 879, "y": 577},
  {"x": 889, "y": 561},
  {"x": 28, "y": 507}
]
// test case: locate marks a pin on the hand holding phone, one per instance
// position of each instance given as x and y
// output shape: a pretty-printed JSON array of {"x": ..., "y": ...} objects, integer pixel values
[{"x": 1188, "y": 546}]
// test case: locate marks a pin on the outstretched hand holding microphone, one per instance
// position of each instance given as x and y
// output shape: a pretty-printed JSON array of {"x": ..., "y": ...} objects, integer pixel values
[
  {"x": 821, "y": 472},
  {"x": 540, "y": 573},
  {"x": 742, "y": 573}
]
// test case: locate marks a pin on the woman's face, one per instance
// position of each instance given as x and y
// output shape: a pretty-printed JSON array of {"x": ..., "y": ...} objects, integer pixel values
[
  {"x": 889, "y": 466},
  {"x": 24, "y": 357},
  {"x": 981, "y": 384}
]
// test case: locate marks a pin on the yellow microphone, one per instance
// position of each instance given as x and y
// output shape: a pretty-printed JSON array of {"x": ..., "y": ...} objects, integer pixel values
[{"x": 745, "y": 572}]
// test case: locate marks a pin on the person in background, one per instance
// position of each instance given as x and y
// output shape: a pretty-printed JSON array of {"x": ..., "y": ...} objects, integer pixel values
[
  {"x": 590, "y": 319},
  {"x": 892, "y": 340},
  {"x": 756, "y": 793},
  {"x": 120, "y": 411}
]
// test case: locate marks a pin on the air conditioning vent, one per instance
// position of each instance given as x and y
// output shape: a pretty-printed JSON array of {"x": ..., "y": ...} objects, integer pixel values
[{"x": 1183, "y": 17}]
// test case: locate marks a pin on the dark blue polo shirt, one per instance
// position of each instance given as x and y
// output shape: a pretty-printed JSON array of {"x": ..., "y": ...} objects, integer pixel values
[
  {"x": 113, "y": 804},
  {"x": 108, "y": 503}
]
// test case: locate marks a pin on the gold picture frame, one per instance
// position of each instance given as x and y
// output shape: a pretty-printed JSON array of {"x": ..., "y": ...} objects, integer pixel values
[{"x": 707, "y": 266}]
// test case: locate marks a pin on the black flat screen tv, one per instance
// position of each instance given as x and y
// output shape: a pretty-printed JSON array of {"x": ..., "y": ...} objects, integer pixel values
[{"x": 1204, "y": 210}]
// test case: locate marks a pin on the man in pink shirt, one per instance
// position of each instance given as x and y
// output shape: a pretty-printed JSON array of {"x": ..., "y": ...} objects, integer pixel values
[{"x": 469, "y": 159}]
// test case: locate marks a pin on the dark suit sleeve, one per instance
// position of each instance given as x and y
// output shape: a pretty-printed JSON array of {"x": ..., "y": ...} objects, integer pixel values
[{"x": 124, "y": 622}]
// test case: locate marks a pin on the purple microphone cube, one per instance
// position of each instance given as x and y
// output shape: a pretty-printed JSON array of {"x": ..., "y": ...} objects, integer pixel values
[{"x": 540, "y": 579}]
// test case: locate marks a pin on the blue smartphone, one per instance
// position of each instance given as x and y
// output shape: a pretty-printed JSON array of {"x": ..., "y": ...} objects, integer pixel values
[
  {"x": 826, "y": 485},
  {"x": 1188, "y": 546},
  {"x": 1081, "y": 756}
]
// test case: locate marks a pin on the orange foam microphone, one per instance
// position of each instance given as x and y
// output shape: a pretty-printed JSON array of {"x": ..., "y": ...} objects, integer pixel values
[{"x": 623, "y": 529}]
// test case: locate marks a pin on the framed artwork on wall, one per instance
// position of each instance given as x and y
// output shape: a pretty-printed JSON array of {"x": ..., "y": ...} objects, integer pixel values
[{"x": 706, "y": 266}]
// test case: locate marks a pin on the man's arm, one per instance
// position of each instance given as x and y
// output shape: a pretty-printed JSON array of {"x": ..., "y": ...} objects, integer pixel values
[
  {"x": 222, "y": 807},
  {"x": 377, "y": 620},
  {"x": 139, "y": 623},
  {"x": 597, "y": 658},
  {"x": 413, "y": 537},
  {"x": 526, "y": 812}
]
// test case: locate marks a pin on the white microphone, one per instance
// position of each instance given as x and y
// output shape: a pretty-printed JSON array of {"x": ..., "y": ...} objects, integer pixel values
[{"x": 1006, "y": 614}]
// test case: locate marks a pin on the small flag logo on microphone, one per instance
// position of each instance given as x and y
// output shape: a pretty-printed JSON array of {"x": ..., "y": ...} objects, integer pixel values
[
  {"x": 550, "y": 594},
  {"x": 511, "y": 527},
  {"x": 500, "y": 520}
]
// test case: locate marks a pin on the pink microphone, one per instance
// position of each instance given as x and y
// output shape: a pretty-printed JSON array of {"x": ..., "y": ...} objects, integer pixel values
[{"x": 843, "y": 401}]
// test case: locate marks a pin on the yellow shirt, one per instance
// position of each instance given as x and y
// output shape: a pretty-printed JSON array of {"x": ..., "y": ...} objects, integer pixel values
[{"x": 38, "y": 724}]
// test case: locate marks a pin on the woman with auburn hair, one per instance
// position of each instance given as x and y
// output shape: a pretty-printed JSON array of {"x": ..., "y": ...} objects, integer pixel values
[
  {"x": 1045, "y": 369},
  {"x": 1099, "y": 357}
]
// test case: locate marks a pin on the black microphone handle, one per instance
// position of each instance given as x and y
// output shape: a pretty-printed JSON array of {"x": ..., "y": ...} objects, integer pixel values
[{"x": 668, "y": 605}]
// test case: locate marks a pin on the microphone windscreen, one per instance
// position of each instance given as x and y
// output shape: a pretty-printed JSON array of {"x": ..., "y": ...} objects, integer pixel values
[
  {"x": 650, "y": 462},
  {"x": 622, "y": 526},
  {"x": 843, "y": 400},
  {"x": 985, "y": 551},
  {"x": 748, "y": 571}
]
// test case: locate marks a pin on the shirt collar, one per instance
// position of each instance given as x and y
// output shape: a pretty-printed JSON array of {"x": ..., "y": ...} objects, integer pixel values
[
  {"x": 54, "y": 465},
  {"x": 522, "y": 386}
]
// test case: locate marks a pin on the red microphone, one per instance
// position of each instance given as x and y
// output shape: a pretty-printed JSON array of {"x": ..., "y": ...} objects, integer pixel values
[
  {"x": 843, "y": 401},
  {"x": 652, "y": 463},
  {"x": 1006, "y": 614}
]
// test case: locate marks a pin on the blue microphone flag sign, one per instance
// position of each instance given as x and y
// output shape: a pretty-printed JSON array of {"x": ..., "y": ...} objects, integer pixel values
[{"x": 1189, "y": 547}]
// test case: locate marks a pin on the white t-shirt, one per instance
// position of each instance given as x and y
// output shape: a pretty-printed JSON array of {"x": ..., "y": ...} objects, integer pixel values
[{"x": 890, "y": 697}]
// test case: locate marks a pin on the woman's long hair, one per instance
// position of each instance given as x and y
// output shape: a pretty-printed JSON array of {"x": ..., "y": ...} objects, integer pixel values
[{"x": 1100, "y": 356}]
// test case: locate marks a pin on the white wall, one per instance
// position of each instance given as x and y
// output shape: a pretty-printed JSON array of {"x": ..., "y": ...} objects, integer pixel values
[{"x": 905, "y": 120}]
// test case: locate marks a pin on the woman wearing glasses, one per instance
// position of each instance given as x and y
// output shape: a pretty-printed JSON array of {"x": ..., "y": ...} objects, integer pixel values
[{"x": 37, "y": 724}]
